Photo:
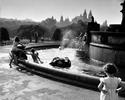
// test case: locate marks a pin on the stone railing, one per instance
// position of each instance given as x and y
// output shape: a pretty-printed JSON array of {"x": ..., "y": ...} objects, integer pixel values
[{"x": 108, "y": 38}]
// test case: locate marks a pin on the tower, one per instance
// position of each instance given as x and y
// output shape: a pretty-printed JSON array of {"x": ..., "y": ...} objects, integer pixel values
[
  {"x": 123, "y": 16},
  {"x": 85, "y": 16},
  {"x": 1, "y": 8},
  {"x": 90, "y": 16},
  {"x": 61, "y": 19}
]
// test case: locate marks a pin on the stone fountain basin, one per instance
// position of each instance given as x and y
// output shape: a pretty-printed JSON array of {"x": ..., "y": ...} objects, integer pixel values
[
  {"x": 65, "y": 75},
  {"x": 61, "y": 74}
]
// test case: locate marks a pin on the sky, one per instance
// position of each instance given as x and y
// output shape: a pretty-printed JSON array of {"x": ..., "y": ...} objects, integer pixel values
[{"x": 39, "y": 10}]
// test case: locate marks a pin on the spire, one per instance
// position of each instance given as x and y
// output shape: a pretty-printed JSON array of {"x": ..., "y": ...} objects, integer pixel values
[
  {"x": 52, "y": 17},
  {"x": 61, "y": 19},
  {"x": 85, "y": 15},
  {"x": 123, "y": 13},
  {"x": 90, "y": 16}
]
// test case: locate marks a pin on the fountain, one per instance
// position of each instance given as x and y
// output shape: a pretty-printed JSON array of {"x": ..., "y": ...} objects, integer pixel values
[
  {"x": 109, "y": 46},
  {"x": 101, "y": 47}
]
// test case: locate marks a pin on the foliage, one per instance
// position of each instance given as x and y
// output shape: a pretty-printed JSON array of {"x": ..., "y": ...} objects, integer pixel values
[
  {"x": 13, "y": 24},
  {"x": 45, "y": 29},
  {"x": 50, "y": 24},
  {"x": 104, "y": 26},
  {"x": 77, "y": 28},
  {"x": 4, "y": 34},
  {"x": 57, "y": 36},
  {"x": 31, "y": 32}
]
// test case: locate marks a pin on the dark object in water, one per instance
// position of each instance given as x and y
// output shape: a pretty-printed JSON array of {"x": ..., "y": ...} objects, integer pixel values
[{"x": 61, "y": 62}]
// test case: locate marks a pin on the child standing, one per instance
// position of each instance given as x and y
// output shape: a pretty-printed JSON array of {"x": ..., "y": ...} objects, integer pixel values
[{"x": 109, "y": 85}]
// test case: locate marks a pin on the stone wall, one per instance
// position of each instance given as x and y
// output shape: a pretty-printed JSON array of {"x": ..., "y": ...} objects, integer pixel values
[{"x": 108, "y": 47}]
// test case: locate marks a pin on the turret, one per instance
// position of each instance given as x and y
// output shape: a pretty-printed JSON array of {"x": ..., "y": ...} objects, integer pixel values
[{"x": 123, "y": 16}]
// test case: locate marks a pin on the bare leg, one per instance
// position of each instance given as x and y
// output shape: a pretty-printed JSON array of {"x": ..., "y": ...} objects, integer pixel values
[
  {"x": 11, "y": 59},
  {"x": 15, "y": 60}
]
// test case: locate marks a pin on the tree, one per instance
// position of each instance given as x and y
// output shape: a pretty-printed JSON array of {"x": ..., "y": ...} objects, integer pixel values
[
  {"x": 57, "y": 36},
  {"x": 82, "y": 26},
  {"x": 50, "y": 24},
  {"x": 104, "y": 26},
  {"x": 25, "y": 31},
  {"x": 85, "y": 16},
  {"x": 4, "y": 34},
  {"x": 90, "y": 16},
  {"x": 31, "y": 31}
]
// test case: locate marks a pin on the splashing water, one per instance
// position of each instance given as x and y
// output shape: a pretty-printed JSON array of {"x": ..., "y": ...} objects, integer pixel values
[
  {"x": 67, "y": 39},
  {"x": 73, "y": 42}
]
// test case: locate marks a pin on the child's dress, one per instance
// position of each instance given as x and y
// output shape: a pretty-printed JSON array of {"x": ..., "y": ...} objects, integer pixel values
[{"x": 110, "y": 85}]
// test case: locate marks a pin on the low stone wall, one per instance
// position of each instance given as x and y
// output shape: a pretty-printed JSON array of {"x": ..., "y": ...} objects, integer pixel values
[
  {"x": 83, "y": 80},
  {"x": 106, "y": 53},
  {"x": 44, "y": 45},
  {"x": 108, "y": 47}
]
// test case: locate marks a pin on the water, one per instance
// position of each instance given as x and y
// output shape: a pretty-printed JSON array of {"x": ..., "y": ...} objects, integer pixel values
[{"x": 78, "y": 64}]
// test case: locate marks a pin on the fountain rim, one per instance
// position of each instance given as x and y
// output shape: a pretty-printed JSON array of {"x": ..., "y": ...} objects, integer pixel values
[{"x": 84, "y": 80}]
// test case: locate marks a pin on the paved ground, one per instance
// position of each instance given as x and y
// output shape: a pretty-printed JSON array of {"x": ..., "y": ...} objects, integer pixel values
[{"x": 15, "y": 85}]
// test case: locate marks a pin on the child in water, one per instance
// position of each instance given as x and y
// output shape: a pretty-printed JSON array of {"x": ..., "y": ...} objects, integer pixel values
[
  {"x": 35, "y": 56},
  {"x": 109, "y": 85}
]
